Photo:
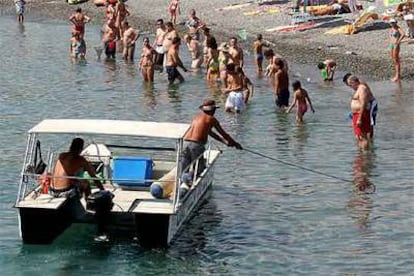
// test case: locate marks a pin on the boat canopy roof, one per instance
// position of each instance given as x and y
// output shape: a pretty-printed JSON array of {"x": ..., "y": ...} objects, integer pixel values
[{"x": 111, "y": 127}]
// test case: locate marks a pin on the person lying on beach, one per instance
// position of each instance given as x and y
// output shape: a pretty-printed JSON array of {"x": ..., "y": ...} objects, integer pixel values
[
  {"x": 20, "y": 9},
  {"x": 131, "y": 35},
  {"x": 333, "y": 8},
  {"x": 301, "y": 100},
  {"x": 174, "y": 10},
  {"x": 78, "y": 19},
  {"x": 174, "y": 61},
  {"x": 327, "y": 68}
]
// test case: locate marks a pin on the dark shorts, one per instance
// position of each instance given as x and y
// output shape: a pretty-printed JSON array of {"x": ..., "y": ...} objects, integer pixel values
[
  {"x": 172, "y": 73},
  {"x": 282, "y": 99},
  {"x": 159, "y": 59},
  {"x": 192, "y": 151},
  {"x": 110, "y": 49}
]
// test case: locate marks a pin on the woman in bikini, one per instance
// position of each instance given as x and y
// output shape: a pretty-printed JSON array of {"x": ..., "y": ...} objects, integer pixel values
[
  {"x": 195, "y": 51},
  {"x": 174, "y": 9},
  {"x": 396, "y": 35},
  {"x": 146, "y": 63},
  {"x": 301, "y": 99},
  {"x": 212, "y": 60},
  {"x": 78, "y": 19},
  {"x": 223, "y": 60}
]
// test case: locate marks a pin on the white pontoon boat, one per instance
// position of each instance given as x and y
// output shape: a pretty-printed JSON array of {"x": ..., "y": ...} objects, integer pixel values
[{"x": 135, "y": 160}]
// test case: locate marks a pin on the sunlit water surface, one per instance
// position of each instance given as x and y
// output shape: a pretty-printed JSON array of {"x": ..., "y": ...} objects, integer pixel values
[{"x": 262, "y": 216}]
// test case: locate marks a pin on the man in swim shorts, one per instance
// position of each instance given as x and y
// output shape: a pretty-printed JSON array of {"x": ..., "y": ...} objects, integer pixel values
[
  {"x": 281, "y": 85},
  {"x": 174, "y": 61},
  {"x": 364, "y": 110},
  {"x": 235, "y": 101},
  {"x": 203, "y": 125},
  {"x": 158, "y": 42}
]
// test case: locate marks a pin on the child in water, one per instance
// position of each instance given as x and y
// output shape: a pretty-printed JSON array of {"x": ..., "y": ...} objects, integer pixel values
[
  {"x": 174, "y": 9},
  {"x": 327, "y": 69},
  {"x": 258, "y": 51},
  {"x": 20, "y": 9},
  {"x": 300, "y": 98}
]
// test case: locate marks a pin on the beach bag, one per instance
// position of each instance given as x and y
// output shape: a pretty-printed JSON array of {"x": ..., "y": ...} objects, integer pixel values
[{"x": 39, "y": 166}]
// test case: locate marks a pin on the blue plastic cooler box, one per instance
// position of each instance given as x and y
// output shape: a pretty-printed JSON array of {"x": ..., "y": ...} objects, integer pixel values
[{"x": 133, "y": 170}]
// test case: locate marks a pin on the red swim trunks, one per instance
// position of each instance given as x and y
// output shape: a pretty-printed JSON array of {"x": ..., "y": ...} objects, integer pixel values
[
  {"x": 80, "y": 29},
  {"x": 302, "y": 108},
  {"x": 365, "y": 126}
]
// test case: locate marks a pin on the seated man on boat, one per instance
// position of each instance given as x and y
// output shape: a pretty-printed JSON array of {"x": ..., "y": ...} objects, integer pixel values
[
  {"x": 197, "y": 135},
  {"x": 69, "y": 167}
]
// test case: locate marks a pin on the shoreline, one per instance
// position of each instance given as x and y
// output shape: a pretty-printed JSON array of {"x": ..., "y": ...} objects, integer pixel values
[{"x": 369, "y": 56}]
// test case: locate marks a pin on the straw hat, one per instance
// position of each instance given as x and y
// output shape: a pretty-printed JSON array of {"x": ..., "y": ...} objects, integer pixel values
[{"x": 208, "y": 105}]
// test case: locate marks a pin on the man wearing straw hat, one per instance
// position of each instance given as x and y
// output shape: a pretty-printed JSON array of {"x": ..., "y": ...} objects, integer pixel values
[{"x": 197, "y": 135}]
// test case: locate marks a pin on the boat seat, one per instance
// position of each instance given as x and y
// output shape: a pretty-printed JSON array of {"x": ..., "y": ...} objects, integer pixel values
[{"x": 43, "y": 201}]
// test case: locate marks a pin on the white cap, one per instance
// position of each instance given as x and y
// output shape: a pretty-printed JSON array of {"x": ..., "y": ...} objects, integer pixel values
[{"x": 392, "y": 20}]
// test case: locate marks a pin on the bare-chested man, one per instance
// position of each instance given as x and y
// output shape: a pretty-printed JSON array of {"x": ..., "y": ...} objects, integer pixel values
[
  {"x": 79, "y": 20},
  {"x": 109, "y": 39},
  {"x": 364, "y": 110},
  {"x": 174, "y": 61},
  {"x": 72, "y": 164},
  {"x": 170, "y": 34},
  {"x": 281, "y": 85},
  {"x": 158, "y": 42},
  {"x": 120, "y": 15},
  {"x": 258, "y": 51},
  {"x": 130, "y": 37},
  {"x": 202, "y": 126},
  {"x": 236, "y": 53},
  {"x": 234, "y": 88}
]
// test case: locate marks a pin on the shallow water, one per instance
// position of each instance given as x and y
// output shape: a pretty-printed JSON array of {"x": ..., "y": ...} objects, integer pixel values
[{"x": 262, "y": 216}]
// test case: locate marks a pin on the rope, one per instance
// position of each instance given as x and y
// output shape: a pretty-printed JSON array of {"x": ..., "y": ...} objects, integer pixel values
[{"x": 298, "y": 166}]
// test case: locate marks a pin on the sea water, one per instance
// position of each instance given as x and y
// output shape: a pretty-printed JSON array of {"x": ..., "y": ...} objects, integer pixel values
[{"x": 262, "y": 217}]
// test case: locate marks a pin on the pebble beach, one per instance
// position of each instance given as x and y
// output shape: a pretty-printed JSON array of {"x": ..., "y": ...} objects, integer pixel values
[{"x": 364, "y": 53}]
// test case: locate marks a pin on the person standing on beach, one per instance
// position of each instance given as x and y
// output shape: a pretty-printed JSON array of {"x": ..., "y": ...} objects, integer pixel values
[
  {"x": 281, "y": 85},
  {"x": 78, "y": 19},
  {"x": 236, "y": 53},
  {"x": 212, "y": 60},
  {"x": 174, "y": 61},
  {"x": 396, "y": 35},
  {"x": 195, "y": 50},
  {"x": 20, "y": 9},
  {"x": 207, "y": 35},
  {"x": 235, "y": 101},
  {"x": 301, "y": 99},
  {"x": 364, "y": 109},
  {"x": 158, "y": 42},
  {"x": 174, "y": 10},
  {"x": 130, "y": 37}
]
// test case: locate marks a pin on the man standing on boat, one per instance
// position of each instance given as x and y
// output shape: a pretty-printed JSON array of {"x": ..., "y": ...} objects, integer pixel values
[{"x": 197, "y": 135}]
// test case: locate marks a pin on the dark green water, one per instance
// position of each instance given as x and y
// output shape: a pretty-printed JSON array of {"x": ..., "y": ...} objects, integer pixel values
[{"x": 262, "y": 217}]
